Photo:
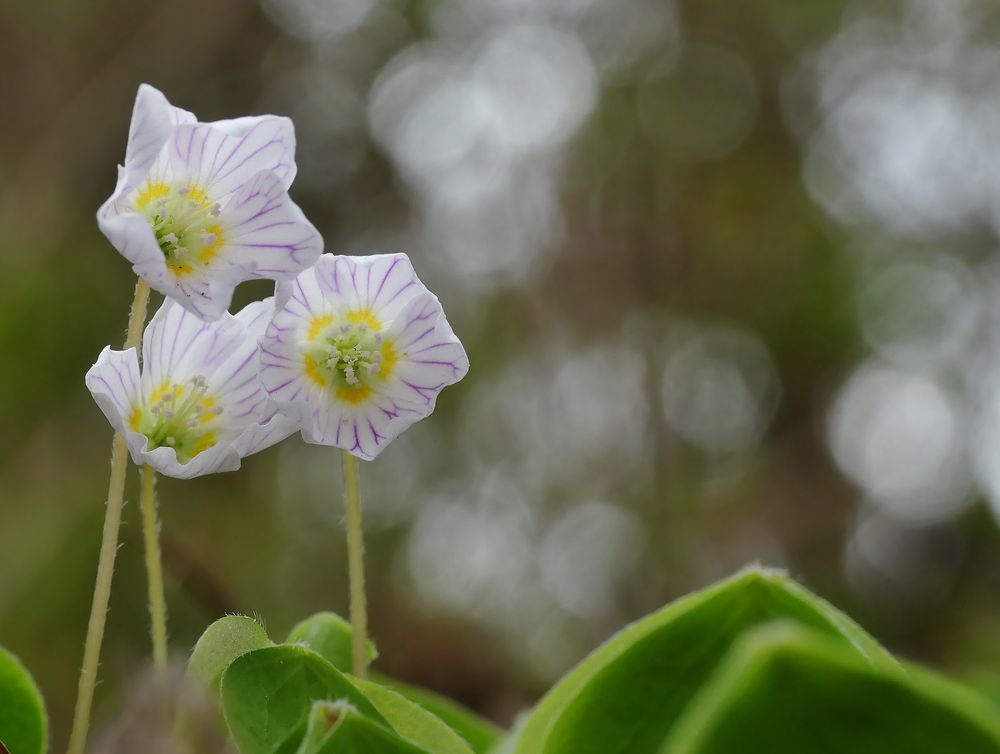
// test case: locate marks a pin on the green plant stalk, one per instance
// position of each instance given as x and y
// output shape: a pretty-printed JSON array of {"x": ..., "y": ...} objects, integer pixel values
[
  {"x": 109, "y": 548},
  {"x": 154, "y": 568},
  {"x": 356, "y": 567}
]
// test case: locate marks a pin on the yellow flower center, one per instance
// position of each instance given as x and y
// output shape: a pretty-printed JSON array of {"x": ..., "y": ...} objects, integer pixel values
[
  {"x": 179, "y": 416},
  {"x": 348, "y": 356},
  {"x": 185, "y": 222}
]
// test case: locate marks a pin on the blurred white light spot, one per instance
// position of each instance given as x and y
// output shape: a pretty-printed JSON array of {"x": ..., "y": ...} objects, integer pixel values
[
  {"x": 424, "y": 114},
  {"x": 541, "y": 82},
  {"x": 566, "y": 416},
  {"x": 900, "y": 437},
  {"x": 720, "y": 389},
  {"x": 921, "y": 312},
  {"x": 910, "y": 132},
  {"x": 475, "y": 557},
  {"x": 617, "y": 34},
  {"x": 483, "y": 234},
  {"x": 587, "y": 554},
  {"x": 318, "y": 19},
  {"x": 985, "y": 442},
  {"x": 886, "y": 558}
]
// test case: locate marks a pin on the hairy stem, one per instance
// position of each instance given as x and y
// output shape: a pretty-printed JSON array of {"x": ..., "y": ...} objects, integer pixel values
[
  {"x": 356, "y": 567},
  {"x": 109, "y": 548},
  {"x": 154, "y": 568}
]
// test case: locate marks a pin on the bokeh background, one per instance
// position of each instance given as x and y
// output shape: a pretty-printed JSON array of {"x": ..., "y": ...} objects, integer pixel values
[{"x": 726, "y": 273}]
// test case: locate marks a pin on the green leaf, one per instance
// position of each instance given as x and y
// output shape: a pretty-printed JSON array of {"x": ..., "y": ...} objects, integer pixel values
[
  {"x": 351, "y": 733},
  {"x": 626, "y": 695},
  {"x": 23, "y": 722},
  {"x": 786, "y": 690},
  {"x": 481, "y": 734},
  {"x": 222, "y": 642},
  {"x": 267, "y": 693},
  {"x": 329, "y": 636},
  {"x": 321, "y": 719},
  {"x": 412, "y": 722}
]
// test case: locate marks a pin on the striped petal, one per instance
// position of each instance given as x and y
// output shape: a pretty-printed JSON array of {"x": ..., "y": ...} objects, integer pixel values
[
  {"x": 153, "y": 119},
  {"x": 267, "y": 236},
  {"x": 430, "y": 356},
  {"x": 214, "y": 460},
  {"x": 178, "y": 345},
  {"x": 114, "y": 383},
  {"x": 256, "y": 316},
  {"x": 220, "y": 162},
  {"x": 264, "y": 435},
  {"x": 382, "y": 284}
]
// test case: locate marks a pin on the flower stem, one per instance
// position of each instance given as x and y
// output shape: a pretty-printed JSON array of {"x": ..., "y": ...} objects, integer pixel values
[
  {"x": 154, "y": 568},
  {"x": 356, "y": 567},
  {"x": 109, "y": 548}
]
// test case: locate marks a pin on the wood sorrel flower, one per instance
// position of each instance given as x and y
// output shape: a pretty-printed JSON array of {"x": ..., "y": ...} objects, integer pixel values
[
  {"x": 197, "y": 407},
  {"x": 359, "y": 351},
  {"x": 201, "y": 207}
]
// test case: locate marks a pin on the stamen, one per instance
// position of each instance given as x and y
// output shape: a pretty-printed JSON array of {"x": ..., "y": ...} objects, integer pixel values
[
  {"x": 180, "y": 418},
  {"x": 351, "y": 352},
  {"x": 184, "y": 226}
]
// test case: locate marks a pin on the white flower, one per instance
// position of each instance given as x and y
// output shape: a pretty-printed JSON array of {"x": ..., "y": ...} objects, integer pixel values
[
  {"x": 201, "y": 207},
  {"x": 359, "y": 351},
  {"x": 197, "y": 407}
]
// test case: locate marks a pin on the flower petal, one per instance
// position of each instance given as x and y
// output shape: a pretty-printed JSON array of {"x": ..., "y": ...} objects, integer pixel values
[
  {"x": 153, "y": 118},
  {"x": 267, "y": 236},
  {"x": 220, "y": 162},
  {"x": 179, "y": 345},
  {"x": 114, "y": 383},
  {"x": 430, "y": 355},
  {"x": 218, "y": 458},
  {"x": 242, "y": 126},
  {"x": 205, "y": 292},
  {"x": 256, "y": 316},
  {"x": 380, "y": 283},
  {"x": 264, "y": 435}
]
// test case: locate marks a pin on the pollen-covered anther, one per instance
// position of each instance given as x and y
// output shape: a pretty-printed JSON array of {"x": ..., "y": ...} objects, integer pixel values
[
  {"x": 351, "y": 353},
  {"x": 180, "y": 416},
  {"x": 185, "y": 225}
]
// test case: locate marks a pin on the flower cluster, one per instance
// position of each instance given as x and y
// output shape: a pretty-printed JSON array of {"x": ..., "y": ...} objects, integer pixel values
[{"x": 350, "y": 351}]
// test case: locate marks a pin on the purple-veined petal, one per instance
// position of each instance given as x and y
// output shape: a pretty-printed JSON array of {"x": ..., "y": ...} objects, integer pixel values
[
  {"x": 380, "y": 283},
  {"x": 282, "y": 292},
  {"x": 297, "y": 304},
  {"x": 214, "y": 460},
  {"x": 178, "y": 345},
  {"x": 264, "y": 435},
  {"x": 241, "y": 126},
  {"x": 256, "y": 316},
  {"x": 267, "y": 236},
  {"x": 130, "y": 233},
  {"x": 114, "y": 383},
  {"x": 205, "y": 292},
  {"x": 220, "y": 163},
  {"x": 153, "y": 118},
  {"x": 430, "y": 356}
]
